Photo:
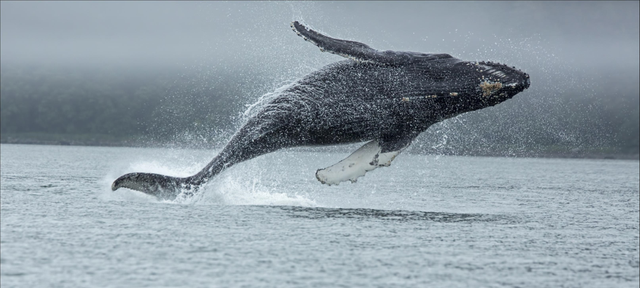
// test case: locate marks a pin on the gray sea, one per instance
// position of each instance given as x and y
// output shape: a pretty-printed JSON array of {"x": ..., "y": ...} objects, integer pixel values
[{"x": 426, "y": 221}]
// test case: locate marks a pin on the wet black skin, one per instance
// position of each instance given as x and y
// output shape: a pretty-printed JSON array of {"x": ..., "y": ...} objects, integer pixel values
[{"x": 353, "y": 101}]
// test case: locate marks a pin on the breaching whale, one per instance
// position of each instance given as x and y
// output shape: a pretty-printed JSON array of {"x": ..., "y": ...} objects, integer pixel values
[{"x": 384, "y": 97}]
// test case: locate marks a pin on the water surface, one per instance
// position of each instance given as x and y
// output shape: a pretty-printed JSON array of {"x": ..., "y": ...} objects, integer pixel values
[{"x": 425, "y": 221}]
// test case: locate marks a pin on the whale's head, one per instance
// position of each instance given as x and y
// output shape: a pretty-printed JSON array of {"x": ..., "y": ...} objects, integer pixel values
[
  {"x": 495, "y": 82},
  {"x": 457, "y": 86}
]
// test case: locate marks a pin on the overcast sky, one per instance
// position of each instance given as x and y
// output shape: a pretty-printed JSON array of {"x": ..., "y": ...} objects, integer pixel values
[{"x": 525, "y": 34}]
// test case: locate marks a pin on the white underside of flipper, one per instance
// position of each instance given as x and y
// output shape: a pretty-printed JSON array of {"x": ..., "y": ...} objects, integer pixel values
[{"x": 366, "y": 158}]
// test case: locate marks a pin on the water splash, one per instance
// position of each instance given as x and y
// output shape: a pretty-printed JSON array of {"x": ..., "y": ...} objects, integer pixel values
[
  {"x": 233, "y": 190},
  {"x": 244, "y": 184}
]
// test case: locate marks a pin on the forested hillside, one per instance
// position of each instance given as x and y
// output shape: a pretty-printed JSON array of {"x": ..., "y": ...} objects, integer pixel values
[{"x": 202, "y": 107}]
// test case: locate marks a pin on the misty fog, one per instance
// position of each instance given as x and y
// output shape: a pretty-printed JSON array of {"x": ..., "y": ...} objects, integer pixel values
[
  {"x": 583, "y": 58},
  {"x": 587, "y": 34}
]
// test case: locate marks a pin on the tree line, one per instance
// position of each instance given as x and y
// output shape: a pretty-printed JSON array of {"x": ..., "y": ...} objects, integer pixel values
[{"x": 202, "y": 107}]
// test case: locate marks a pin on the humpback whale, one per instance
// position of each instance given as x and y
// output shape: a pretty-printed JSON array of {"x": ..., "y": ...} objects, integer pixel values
[{"x": 384, "y": 98}]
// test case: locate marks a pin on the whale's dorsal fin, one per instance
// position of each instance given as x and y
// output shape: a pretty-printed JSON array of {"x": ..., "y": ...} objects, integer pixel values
[
  {"x": 370, "y": 156},
  {"x": 360, "y": 51}
]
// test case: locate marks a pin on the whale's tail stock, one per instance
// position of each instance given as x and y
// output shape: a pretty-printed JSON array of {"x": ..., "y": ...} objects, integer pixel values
[{"x": 169, "y": 187}]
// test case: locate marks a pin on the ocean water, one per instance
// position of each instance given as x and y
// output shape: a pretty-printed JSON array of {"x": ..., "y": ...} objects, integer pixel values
[{"x": 426, "y": 221}]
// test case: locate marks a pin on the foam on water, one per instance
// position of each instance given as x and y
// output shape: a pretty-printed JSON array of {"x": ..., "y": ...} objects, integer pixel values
[{"x": 233, "y": 190}]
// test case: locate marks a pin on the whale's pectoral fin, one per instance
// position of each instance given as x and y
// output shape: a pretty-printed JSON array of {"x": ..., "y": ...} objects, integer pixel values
[
  {"x": 345, "y": 48},
  {"x": 368, "y": 157},
  {"x": 359, "y": 51}
]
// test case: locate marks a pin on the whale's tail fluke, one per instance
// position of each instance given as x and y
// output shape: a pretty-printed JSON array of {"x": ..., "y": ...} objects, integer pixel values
[{"x": 161, "y": 186}]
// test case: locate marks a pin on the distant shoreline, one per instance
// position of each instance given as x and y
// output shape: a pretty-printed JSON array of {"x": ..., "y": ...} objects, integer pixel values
[{"x": 139, "y": 143}]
